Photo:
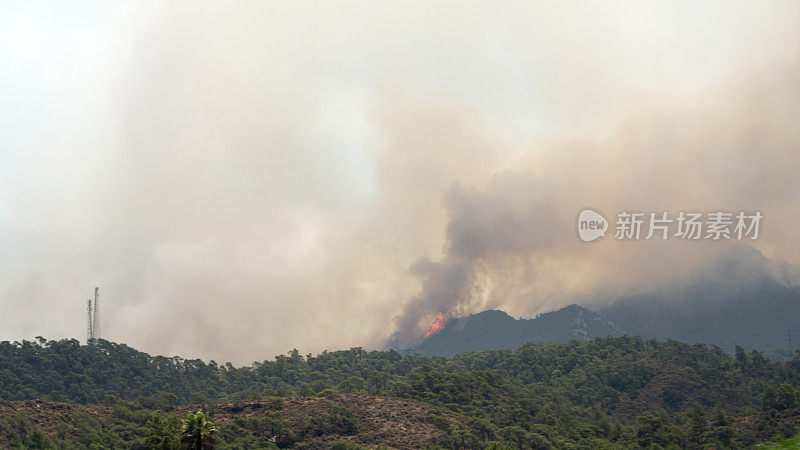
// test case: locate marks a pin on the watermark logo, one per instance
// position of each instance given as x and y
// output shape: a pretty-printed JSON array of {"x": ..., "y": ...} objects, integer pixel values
[
  {"x": 635, "y": 225},
  {"x": 591, "y": 225}
]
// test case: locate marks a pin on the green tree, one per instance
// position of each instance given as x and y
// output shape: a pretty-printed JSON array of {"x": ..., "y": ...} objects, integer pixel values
[
  {"x": 375, "y": 382},
  {"x": 168, "y": 400},
  {"x": 351, "y": 385},
  {"x": 741, "y": 356},
  {"x": 786, "y": 397},
  {"x": 198, "y": 432},
  {"x": 697, "y": 418},
  {"x": 162, "y": 432},
  {"x": 768, "y": 399}
]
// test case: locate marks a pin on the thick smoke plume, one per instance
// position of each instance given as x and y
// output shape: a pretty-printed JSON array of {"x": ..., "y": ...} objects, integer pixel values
[
  {"x": 513, "y": 244},
  {"x": 244, "y": 179}
]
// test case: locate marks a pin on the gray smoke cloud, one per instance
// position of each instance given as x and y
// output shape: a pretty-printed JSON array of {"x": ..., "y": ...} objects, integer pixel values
[
  {"x": 240, "y": 180},
  {"x": 512, "y": 244}
]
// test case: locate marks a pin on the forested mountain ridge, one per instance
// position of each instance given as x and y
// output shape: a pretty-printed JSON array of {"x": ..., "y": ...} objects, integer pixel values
[
  {"x": 754, "y": 314},
  {"x": 617, "y": 392},
  {"x": 761, "y": 313},
  {"x": 493, "y": 330}
]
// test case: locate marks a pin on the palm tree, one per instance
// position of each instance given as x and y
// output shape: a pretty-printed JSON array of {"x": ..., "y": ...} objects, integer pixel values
[{"x": 198, "y": 433}]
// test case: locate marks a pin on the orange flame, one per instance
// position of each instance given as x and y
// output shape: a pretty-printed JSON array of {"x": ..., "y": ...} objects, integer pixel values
[{"x": 437, "y": 326}]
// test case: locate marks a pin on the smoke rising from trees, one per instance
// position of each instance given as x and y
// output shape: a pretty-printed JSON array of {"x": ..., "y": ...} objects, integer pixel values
[{"x": 244, "y": 180}]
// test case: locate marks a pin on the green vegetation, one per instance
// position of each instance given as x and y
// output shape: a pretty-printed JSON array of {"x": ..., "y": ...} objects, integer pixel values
[
  {"x": 792, "y": 443},
  {"x": 198, "y": 432},
  {"x": 620, "y": 392}
]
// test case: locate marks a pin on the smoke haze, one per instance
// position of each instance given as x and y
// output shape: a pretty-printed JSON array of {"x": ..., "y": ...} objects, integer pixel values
[{"x": 245, "y": 179}]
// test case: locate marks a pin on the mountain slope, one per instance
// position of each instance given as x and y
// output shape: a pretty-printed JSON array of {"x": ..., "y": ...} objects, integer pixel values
[
  {"x": 497, "y": 330},
  {"x": 754, "y": 315},
  {"x": 755, "y": 312}
]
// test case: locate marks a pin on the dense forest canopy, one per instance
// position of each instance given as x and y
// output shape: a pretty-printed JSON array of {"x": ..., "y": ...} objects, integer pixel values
[{"x": 610, "y": 391}]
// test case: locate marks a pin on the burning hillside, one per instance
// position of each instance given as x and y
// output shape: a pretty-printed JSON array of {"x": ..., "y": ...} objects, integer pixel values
[{"x": 437, "y": 326}]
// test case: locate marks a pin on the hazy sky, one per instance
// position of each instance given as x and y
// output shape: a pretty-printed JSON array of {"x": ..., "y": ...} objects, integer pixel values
[{"x": 240, "y": 179}]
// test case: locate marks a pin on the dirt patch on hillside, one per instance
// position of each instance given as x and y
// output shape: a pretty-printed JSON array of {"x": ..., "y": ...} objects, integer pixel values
[
  {"x": 363, "y": 419},
  {"x": 297, "y": 422}
]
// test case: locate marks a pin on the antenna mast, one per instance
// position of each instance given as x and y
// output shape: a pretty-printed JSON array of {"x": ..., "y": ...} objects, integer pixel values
[
  {"x": 89, "y": 329},
  {"x": 96, "y": 318}
]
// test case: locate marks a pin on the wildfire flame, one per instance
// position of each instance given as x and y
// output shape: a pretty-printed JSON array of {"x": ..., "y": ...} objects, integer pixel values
[{"x": 437, "y": 326}]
